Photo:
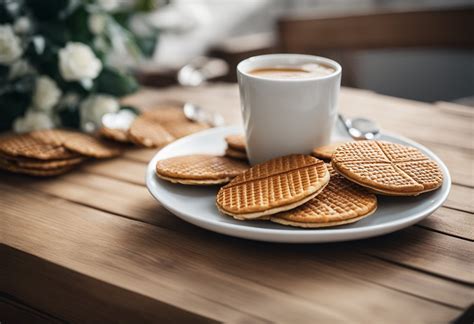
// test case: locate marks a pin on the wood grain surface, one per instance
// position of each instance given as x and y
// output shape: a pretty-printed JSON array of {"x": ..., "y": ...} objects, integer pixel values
[{"x": 94, "y": 246}]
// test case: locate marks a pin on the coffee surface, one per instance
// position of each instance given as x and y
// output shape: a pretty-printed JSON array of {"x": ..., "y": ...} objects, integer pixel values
[{"x": 293, "y": 72}]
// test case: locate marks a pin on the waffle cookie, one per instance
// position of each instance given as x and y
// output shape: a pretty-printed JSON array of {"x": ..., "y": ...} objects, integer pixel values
[
  {"x": 89, "y": 146},
  {"x": 41, "y": 164},
  {"x": 114, "y": 134},
  {"x": 199, "y": 169},
  {"x": 11, "y": 167},
  {"x": 236, "y": 154},
  {"x": 162, "y": 125},
  {"x": 184, "y": 128},
  {"x": 236, "y": 142},
  {"x": 77, "y": 142},
  {"x": 166, "y": 113},
  {"x": 35, "y": 145},
  {"x": 274, "y": 186},
  {"x": 325, "y": 152},
  {"x": 387, "y": 168},
  {"x": 341, "y": 202},
  {"x": 148, "y": 133}
]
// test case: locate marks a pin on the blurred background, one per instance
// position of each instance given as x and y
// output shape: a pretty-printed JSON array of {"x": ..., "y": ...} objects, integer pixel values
[{"x": 420, "y": 50}]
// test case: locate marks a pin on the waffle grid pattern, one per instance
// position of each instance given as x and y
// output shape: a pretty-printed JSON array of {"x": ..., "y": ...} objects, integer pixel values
[
  {"x": 387, "y": 166},
  {"x": 340, "y": 200},
  {"x": 33, "y": 145},
  {"x": 273, "y": 184}
]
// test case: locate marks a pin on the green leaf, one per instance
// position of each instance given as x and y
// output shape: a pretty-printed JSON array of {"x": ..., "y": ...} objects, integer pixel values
[
  {"x": 47, "y": 9},
  {"x": 13, "y": 105},
  {"x": 77, "y": 22},
  {"x": 54, "y": 32},
  {"x": 115, "y": 83},
  {"x": 145, "y": 5},
  {"x": 147, "y": 44},
  {"x": 70, "y": 117}
]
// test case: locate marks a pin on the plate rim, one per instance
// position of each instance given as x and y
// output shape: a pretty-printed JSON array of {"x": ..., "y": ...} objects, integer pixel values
[{"x": 295, "y": 235}]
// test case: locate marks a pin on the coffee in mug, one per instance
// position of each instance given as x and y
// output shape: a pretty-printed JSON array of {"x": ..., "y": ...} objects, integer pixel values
[{"x": 310, "y": 70}]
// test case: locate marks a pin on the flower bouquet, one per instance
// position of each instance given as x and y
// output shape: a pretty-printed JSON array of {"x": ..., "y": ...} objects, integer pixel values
[{"x": 58, "y": 60}]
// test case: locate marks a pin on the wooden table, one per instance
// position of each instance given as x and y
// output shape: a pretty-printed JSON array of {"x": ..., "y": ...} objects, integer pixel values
[{"x": 93, "y": 245}]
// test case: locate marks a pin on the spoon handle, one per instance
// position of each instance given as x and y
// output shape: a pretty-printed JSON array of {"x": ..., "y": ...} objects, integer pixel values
[{"x": 344, "y": 122}]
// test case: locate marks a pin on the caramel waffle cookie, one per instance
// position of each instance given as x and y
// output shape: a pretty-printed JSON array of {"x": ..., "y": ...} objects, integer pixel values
[
  {"x": 148, "y": 133},
  {"x": 34, "y": 145},
  {"x": 199, "y": 169},
  {"x": 341, "y": 202},
  {"x": 7, "y": 166},
  {"x": 325, "y": 152},
  {"x": 236, "y": 142},
  {"x": 114, "y": 134},
  {"x": 387, "y": 168},
  {"x": 236, "y": 154},
  {"x": 29, "y": 163},
  {"x": 274, "y": 186}
]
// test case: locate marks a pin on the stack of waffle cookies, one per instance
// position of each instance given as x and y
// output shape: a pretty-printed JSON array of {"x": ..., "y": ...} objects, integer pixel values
[
  {"x": 337, "y": 185},
  {"x": 51, "y": 152}
]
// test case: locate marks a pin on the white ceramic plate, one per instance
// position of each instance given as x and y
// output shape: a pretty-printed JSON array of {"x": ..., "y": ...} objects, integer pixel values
[{"x": 196, "y": 204}]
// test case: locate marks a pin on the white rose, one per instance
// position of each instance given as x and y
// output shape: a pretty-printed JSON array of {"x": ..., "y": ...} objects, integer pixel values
[
  {"x": 18, "y": 69},
  {"x": 22, "y": 25},
  {"x": 33, "y": 120},
  {"x": 96, "y": 23},
  {"x": 109, "y": 5},
  {"x": 93, "y": 108},
  {"x": 77, "y": 62},
  {"x": 10, "y": 46},
  {"x": 46, "y": 94}
]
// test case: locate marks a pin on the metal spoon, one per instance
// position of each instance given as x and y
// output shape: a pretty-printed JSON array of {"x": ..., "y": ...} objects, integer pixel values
[
  {"x": 360, "y": 128},
  {"x": 196, "y": 113},
  {"x": 194, "y": 74}
]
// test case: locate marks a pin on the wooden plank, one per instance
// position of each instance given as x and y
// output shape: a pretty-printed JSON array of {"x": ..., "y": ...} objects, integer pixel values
[
  {"x": 105, "y": 194},
  {"x": 428, "y": 251},
  {"x": 453, "y": 108},
  {"x": 126, "y": 170},
  {"x": 12, "y": 311},
  {"x": 461, "y": 198},
  {"x": 144, "y": 258},
  {"x": 139, "y": 154},
  {"x": 453, "y": 222},
  {"x": 409, "y": 118},
  {"x": 79, "y": 298},
  {"x": 460, "y": 163}
]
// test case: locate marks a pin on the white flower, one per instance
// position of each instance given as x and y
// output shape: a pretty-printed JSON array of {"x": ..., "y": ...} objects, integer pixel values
[
  {"x": 10, "y": 46},
  {"x": 22, "y": 25},
  {"x": 46, "y": 94},
  {"x": 109, "y": 5},
  {"x": 33, "y": 120},
  {"x": 77, "y": 62},
  {"x": 18, "y": 69},
  {"x": 96, "y": 23},
  {"x": 93, "y": 108}
]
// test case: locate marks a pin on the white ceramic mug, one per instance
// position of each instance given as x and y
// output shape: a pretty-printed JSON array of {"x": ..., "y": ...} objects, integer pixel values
[{"x": 286, "y": 116}]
